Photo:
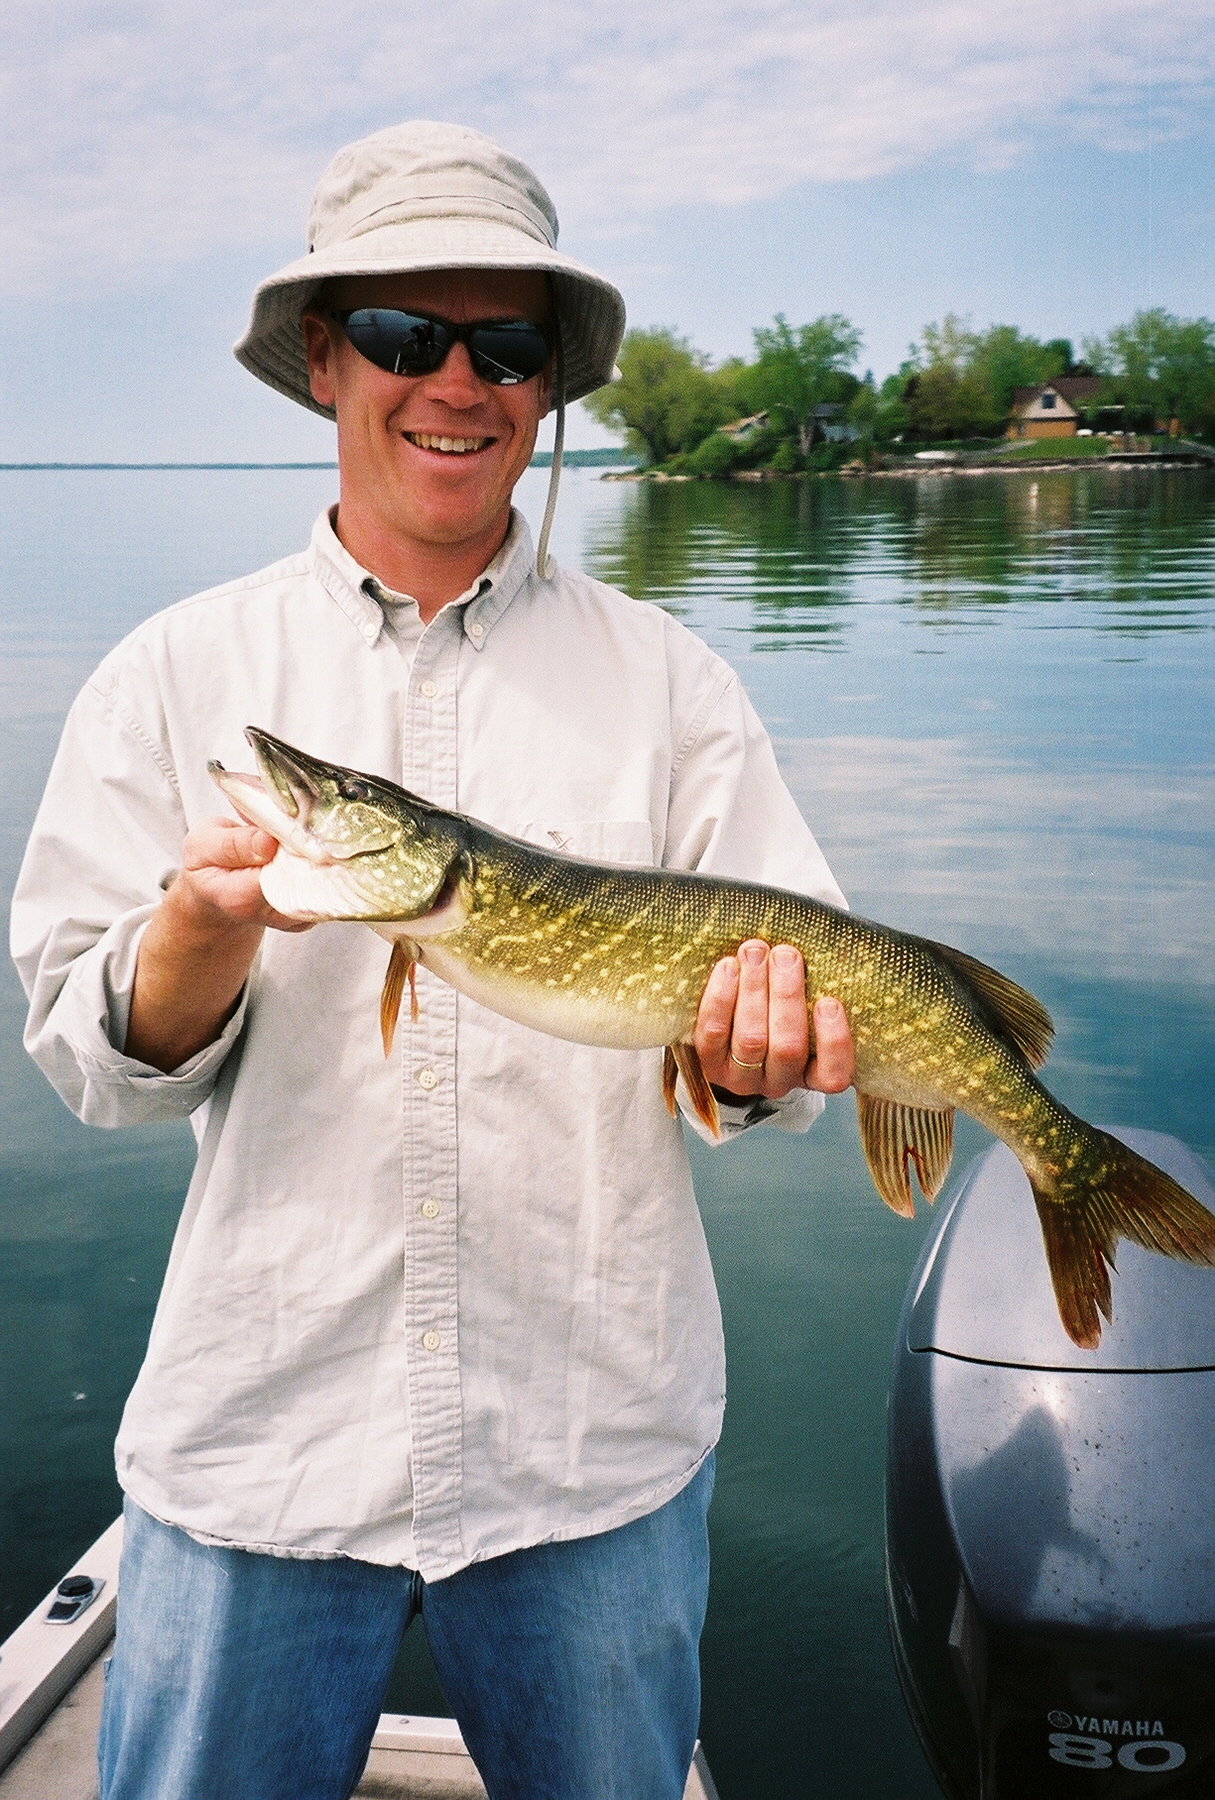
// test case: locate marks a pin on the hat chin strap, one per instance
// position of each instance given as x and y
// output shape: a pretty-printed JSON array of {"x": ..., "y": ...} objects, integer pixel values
[{"x": 546, "y": 566}]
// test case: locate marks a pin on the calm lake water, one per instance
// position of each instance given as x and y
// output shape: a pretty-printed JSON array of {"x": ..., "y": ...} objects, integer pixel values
[{"x": 993, "y": 700}]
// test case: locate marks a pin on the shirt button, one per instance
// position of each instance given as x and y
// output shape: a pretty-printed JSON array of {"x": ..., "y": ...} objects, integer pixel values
[
  {"x": 431, "y": 1340},
  {"x": 430, "y": 1209},
  {"x": 427, "y": 1079},
  {"x": 429, "y": 688},
  {"x": 476, "y": 631}
]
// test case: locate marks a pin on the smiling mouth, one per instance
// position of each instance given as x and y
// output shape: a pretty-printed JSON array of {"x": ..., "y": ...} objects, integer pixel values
[{"x": 449, "y": 446}]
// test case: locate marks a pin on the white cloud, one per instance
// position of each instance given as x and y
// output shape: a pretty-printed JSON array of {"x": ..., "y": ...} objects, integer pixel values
[{"x": 141, "y": 137}]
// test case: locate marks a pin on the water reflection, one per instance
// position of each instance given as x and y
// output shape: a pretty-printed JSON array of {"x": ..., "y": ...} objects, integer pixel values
[{"x": 1131, "y": 545}]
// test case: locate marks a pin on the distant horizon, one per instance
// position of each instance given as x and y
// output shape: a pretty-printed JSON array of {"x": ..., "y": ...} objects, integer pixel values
[{"x": 542, "y": 459}]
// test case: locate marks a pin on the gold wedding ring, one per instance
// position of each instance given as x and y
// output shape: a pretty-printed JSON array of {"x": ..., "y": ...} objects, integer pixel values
[{"x": 743, "y": 1065}]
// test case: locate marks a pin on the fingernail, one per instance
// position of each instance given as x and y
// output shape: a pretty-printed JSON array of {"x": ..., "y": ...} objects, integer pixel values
[
  {"x": 755, "y": 954},
  {"x": 831, "y": 1009},
  {"x": 785, "y": 957},
  {"x": 728, "y": 966}
]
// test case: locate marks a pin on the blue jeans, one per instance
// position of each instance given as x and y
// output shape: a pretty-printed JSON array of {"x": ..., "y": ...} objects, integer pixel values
[{"x": 572, "y": 1668}]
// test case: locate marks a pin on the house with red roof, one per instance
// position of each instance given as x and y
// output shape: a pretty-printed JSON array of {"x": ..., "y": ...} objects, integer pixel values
[{"x": 1050, "y": 409}]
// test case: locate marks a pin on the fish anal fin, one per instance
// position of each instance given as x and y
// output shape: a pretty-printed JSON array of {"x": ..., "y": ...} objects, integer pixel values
[
  {"x": 670, "y": 1075},
  {"x": 687, "y": 1062},
  {"x": 1017, "y": 1012},
  {"x": 402, "y": 967},
  {"x": 894, "y": 1138}
]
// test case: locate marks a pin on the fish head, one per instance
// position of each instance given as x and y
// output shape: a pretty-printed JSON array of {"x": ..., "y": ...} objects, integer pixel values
[{"x": 352, "y": 846}]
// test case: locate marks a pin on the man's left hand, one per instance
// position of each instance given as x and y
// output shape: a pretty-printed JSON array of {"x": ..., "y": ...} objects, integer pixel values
[{"x": 753, "y": 1029}]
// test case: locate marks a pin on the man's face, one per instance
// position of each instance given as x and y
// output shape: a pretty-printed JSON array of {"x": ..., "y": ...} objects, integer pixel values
[{"x": 394, "y": 474}]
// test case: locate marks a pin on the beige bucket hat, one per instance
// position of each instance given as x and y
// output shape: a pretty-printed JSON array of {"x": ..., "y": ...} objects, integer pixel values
[{"x": 430, "y": 196}]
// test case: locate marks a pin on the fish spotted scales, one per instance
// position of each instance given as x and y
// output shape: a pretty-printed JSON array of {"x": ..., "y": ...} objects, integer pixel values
[{"x": 620, "y": 957}]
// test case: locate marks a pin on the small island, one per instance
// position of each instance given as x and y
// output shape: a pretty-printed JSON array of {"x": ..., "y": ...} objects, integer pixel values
[{"x": 962, "y": 400}]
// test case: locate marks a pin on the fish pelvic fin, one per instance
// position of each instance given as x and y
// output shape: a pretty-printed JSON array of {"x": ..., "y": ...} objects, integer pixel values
[
  {"x": 1015, "y": 1012},
  {"x": 670, "y": 1075},
  {"x": 687, "y": 1063},
  {"x": 402, "y": 967},
  {"x": 1113, "y": 1193},
  {"x": 894, "y": 1138}
]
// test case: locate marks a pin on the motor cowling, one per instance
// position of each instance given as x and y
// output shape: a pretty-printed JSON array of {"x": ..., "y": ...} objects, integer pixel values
[{"x": 1050, "y": 1511}]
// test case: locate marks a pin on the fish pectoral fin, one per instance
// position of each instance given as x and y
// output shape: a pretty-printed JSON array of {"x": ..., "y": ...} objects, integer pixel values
[
  {"x": 895, "y": 1136},
  {"x": 670, "y": 1075},
  {"x": 402, "y": 967},
  {"x": 687, "y": 1063}
]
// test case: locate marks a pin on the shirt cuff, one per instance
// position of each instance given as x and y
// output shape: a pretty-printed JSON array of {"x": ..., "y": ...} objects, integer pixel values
[
  {"x": 796, "y": 1112},
  {"x": 93, "y": 1013}
]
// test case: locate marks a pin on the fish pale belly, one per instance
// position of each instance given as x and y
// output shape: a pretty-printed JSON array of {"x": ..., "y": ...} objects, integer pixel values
[
  {"x": 562, "y": 1009},
  {"x": 883, "y": 1079}
]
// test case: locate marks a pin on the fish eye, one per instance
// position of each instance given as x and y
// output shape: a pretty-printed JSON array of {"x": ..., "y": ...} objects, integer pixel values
[{"x": 354, "y": 790}]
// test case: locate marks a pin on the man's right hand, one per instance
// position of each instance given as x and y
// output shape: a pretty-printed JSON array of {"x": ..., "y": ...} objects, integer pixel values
[
  {"x": 221, "y": 865},
  {"x": 195, "y": 956}
]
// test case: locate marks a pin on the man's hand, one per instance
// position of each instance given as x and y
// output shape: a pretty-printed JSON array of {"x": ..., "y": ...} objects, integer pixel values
[
  {"x": 753, "y": 1031},
  {"x": 199, "y": 946},
  {"x": 221, "y": 865}
]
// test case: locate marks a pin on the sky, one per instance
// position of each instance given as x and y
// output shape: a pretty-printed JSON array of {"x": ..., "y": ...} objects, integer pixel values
[{"x": 1043, "y": 163}]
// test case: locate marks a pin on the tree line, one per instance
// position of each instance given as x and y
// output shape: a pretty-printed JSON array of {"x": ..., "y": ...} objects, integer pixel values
[{"x": 955, "y": 385}]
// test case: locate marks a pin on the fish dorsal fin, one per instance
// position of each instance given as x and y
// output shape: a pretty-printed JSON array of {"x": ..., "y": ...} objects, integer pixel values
[
  {"x": 896, "y": 1136},
  {"x": 402, "y": 967},
  {"x": 1016, "y": 1012},
  {"x": 687, "y": 1061}
]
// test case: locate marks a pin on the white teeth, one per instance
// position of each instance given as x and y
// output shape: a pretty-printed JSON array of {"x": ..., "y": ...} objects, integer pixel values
[{"x": 426, "y": 440}]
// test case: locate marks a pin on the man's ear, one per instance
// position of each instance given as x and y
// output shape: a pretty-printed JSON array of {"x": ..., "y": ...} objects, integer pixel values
[
  {"x": 318, "y": 339},
  {"x": 546, "y": 391}
]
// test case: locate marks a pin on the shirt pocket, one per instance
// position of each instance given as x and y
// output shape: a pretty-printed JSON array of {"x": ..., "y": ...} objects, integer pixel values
[{"x": 599, "y": 840}]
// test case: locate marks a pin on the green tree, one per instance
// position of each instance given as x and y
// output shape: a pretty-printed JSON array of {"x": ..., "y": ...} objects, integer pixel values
[
  {"x": 961, "y": 383},
  {"x": 667, "y": 397},
  {"x": 797, "y": 369},
  {"x": 1004, "y": 359},
  {"x": 1162, "y": 363}
]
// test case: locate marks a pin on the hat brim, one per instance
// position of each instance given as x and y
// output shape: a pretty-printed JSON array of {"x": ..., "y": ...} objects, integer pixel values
[{"x": 590, "y": 310}]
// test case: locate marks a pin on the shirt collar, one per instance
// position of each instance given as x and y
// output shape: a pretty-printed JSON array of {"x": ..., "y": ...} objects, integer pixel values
[{"x": 480, "y": 606}]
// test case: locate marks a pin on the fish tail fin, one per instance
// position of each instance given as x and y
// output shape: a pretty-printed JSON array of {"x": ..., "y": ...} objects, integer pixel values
[{"x": 1113, "y": 1193}]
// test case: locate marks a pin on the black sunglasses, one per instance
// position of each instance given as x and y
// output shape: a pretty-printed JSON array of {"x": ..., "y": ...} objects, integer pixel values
[{"x": 502, "y": 351}]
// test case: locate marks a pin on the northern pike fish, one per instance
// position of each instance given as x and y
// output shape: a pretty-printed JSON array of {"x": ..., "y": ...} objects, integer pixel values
[{"x": 620, "y": 956}]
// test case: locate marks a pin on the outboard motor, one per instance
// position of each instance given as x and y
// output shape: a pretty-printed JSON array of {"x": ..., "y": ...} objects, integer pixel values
[{"x": 1050, "y": 1511}]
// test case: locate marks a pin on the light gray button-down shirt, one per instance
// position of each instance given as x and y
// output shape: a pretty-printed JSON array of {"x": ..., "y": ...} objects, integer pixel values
[{"x": 425, "y": 1310}]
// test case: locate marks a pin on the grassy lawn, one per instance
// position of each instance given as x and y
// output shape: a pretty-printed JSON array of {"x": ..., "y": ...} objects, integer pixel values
[{"x": 1058, "y": 449}]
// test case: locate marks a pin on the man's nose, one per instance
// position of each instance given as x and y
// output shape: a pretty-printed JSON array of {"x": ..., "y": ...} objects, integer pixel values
[{"x": 455, "y": 381}]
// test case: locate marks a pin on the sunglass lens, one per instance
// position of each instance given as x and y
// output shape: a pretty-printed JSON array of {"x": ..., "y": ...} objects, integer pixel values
[
  {"x": 403, "y": 343},
  {"x": 508, "y": 353},
  {"x": 411, "y": 344}
]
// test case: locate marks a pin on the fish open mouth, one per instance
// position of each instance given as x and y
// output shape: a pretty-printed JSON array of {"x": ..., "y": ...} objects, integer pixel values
[
  {"x": 448, "y": 446},
  {"x": 287, "y": 774},
  {"x": 279, "y": 800}
]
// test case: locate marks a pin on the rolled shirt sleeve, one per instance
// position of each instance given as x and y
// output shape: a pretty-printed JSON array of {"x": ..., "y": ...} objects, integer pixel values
[{"x": 106, "y": 844}]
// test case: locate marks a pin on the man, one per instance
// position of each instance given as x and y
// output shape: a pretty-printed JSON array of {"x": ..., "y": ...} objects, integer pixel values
[{"x": 438, "y": 1333}]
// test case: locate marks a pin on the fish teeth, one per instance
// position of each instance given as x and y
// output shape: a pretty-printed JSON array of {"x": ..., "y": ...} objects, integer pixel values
[{"x": 451, "y": 446}]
